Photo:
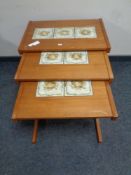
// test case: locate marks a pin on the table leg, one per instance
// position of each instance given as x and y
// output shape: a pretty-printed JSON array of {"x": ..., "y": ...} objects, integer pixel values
[
  {"x": 35, "y": 132},
  {"x": 113, "y": 118},
  {"x": 98, "y": 130}
]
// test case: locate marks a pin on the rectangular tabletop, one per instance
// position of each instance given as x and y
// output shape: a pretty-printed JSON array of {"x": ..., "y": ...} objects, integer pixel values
[
  {"x": 28, "y": 106},
  {"x": 99, "y": 68},
  {"x": 101, "y": 42}
]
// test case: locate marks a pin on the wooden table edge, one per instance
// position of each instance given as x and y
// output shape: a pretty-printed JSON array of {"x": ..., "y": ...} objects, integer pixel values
[
  {"x": 20, "y": 48},
  {"x": 105, "y": 35},
  {"x": 112, "y": 101},
  {"x": 60, "y": 118},
  {"x": 109, "y": 68}
]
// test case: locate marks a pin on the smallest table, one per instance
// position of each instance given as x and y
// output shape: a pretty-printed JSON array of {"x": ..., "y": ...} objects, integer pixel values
[{"x": 100, "y": 42}]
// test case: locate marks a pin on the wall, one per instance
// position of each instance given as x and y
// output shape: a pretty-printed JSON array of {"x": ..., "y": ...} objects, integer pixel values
[{"x": 15, "y": 14}]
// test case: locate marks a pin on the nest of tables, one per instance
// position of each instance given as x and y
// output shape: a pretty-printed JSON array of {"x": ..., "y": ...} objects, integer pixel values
[{"x": 64, "y": 73}]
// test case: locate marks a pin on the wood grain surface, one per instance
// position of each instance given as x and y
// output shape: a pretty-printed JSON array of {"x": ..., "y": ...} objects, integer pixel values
[
  {"x": 28, "y": 106},
  {"x": 99, "y": 43},
  {"x": 99, "y": 68}
]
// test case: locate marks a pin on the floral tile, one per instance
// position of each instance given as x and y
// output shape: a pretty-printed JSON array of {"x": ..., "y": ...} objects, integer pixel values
[
  {"x": 51, "y": 58},
  {"x": 43, "y": 33},
  {"x": 85, "y": 32},
  {"x": 78, "y": 88},
  {"x": 76, "y": 57},
  {"x": 50, "y": 88},
  {"x": 66, "y": 32}
]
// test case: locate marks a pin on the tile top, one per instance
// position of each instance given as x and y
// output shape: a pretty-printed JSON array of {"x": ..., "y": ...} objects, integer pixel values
[
  {"x": 64, "y": 88},
  {"x": 65, "y": 32},
  {"x": 78, "y": 88},
  {"x": 79, "y": 57},
  {"x": 51, "y": 58},
  {"x": 50, "y": 88},
  {"x": 85, "y": 32},
  {"x": 43, "y": 33}
]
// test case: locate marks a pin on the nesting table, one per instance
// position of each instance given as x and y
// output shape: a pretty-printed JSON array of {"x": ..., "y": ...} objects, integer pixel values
[{"x": 65, "y": 36}]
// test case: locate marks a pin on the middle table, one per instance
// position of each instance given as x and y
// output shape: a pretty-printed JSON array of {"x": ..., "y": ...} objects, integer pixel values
[{"x": 99, "y": 68}]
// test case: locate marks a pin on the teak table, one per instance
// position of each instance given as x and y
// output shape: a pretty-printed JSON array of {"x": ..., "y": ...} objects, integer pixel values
[
  {"x": 99, "y": 43},
  {"x": 98, "y": 68},
  {"x": 100, "y": 105}
]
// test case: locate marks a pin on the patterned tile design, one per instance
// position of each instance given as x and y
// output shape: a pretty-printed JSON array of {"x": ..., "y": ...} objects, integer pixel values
[
  {"x": 50, "y": 88},
  {"x": 51, "y": 58},
  {"x": 64, "y": 88},
  {"x": 43, "y": 33},
  {"x": 78, "y": 88},
  {"x": 66, "y": 32},
  {"x": 76, "y": 57},
  {"x": 85, "y": 32},
  {"x": 79, "y": 57}
]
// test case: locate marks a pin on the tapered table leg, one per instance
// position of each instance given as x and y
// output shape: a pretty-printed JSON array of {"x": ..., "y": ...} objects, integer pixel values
[
  {"x": 113, "y": 118},
  {"x": 98, "y": 130},
  {"x": 35, "y": 132}
]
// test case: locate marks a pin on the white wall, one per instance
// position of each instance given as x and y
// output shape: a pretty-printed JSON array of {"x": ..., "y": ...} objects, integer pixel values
[{"x": 14, "y": 15}]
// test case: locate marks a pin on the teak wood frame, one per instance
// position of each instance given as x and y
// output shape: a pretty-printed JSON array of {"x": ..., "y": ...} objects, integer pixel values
[
  {"x": 113, "y": 116},
  {"x": 98, "y": 131},
  {"x": 97, "y": 124},
  {"x": 97, "y": 44},
  {"x": 99, "y": 68}
]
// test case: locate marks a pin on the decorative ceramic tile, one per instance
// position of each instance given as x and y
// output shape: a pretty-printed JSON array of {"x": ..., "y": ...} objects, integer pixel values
[
  {"x": 76, "y": 57},
  {"x": 43, "y": 33},
  {"x": 85, "y": 32},
  {"x": 50, "y": 88},
  {"x": 78, "y": 88},
  {"x": 51, "y": 58},
  {"x": 66, "y": 32}
]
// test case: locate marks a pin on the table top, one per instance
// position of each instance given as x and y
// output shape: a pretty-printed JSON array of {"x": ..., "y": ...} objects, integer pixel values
[
  {"x": 101, "y": 42},
  {"x": 99, "y": 68},
  {"x": 100, "y": 104}
]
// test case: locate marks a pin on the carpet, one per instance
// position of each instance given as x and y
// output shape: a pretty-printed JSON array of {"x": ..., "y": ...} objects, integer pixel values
[{"x": 66, "y": 146}]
